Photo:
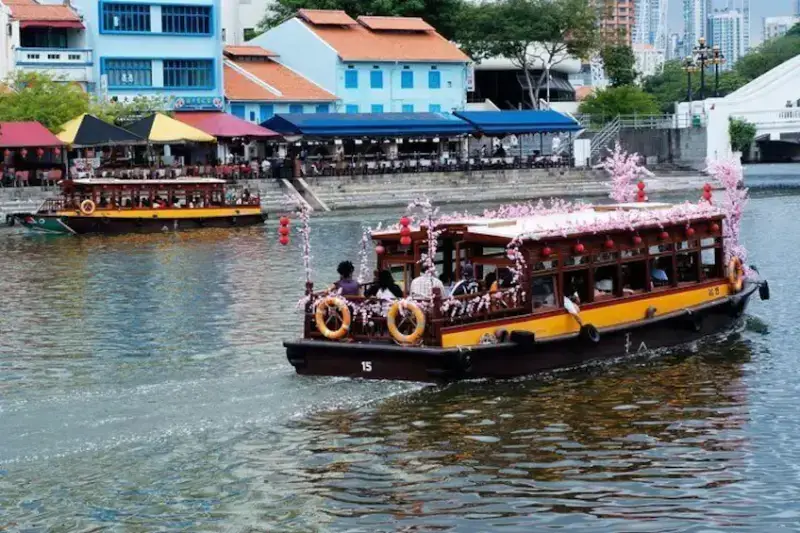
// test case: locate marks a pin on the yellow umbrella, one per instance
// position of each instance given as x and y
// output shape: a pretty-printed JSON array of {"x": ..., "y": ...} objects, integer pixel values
[{"x": 160, "y": 128}]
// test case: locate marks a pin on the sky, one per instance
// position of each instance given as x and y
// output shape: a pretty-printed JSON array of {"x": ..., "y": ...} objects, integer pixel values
[{"x": 758, "y": 10}]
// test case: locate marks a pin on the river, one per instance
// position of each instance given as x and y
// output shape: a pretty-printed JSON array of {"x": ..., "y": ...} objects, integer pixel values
[{"x": 143, "y": 387}]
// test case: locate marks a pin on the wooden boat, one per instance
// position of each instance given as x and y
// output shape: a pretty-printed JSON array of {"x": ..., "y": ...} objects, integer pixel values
[
  {"x": 120, "y": 206},
  {"x": 595, "y": 283}
]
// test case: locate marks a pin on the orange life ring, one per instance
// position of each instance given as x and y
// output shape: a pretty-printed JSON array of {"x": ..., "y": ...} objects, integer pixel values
[
  {"x": 391, "y": 321},
  {"x": 736, "y": 274},
  {"x": 321, "y": 312},
  {"x": 87, "y": 207}
]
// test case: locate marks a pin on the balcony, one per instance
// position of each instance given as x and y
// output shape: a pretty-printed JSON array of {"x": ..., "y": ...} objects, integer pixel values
[{"x": 70, "y": 64}]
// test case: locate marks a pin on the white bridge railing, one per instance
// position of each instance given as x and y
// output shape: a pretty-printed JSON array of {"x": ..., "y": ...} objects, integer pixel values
[{"x": 772, "y": 118}]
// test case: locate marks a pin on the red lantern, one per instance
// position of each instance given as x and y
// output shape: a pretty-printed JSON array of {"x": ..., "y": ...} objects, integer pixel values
[
  {"x": 714, "y": 227},
  {"x": 284, "y": 240},
  {"x": 405, "y": 241},
  {"x": 609, "y": 243},
  {"x": 24, "y": 152},
  {"x": 284, "y": 221},
  {"x": 640, "y": 185},
  {"x": 57, "y": 151},
  {"x": 405, "y": 221},
  {"x": 664, "y": 235},
  {"x": 579, "y": 248},
  {"x": 637, "y": 240},
  {"x": 707, "y": 187},
  {"x": 380, "y": 250},
  {"x": 405, "y": 231},
  {"x": 689, "y": 232},
  {"x": 641, "y": 196},
  {"x": 39, "y": 152},
  {"x": 547, "y": 251},
  {"x": 283, "y": 230}
]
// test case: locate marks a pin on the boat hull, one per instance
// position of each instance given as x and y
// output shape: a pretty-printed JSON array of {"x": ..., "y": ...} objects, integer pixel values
[
  {"x": 509, "y": 359},
  {"x": 77, "y": 225}
]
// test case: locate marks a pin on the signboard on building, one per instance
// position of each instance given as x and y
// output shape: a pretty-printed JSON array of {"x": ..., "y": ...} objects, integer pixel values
[
  {"x": 470, "y": 77},
  {"x": 196, "y": 103}
]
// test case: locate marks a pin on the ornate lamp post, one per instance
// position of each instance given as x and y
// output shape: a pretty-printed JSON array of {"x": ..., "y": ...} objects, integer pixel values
[
  {"x": 689, "y": 66},
  {"x": 717, "y": 59},
  {"x": 702, "y": 53}
]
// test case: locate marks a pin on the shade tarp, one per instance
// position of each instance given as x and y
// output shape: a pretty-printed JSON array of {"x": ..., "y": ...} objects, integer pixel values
[
  {"x": 224, "y": 125},
  {"x": 160, "y": 128},
  {"x": 367, "y": 124},
  {"x": 526, "y": 121},
  {"x": 88, "y": 130},
  {"x": 26, "y": 134}
]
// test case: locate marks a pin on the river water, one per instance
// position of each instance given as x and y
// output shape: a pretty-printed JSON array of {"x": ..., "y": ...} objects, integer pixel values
[{"x": 143, "y": 387}]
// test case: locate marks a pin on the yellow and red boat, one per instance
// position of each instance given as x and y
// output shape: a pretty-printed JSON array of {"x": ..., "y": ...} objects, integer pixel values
[
  {"x": 549, "y": 290},
  {"x": 145, "y": 206}
]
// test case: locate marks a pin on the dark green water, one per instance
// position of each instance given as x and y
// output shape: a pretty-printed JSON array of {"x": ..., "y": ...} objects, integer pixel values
[{"x": 143, "y": 388}]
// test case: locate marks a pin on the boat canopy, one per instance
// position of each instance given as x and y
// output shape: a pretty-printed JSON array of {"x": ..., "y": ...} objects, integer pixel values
[
  {"x": 516, "y": 122},
  {"x": 368, "y": 124}
]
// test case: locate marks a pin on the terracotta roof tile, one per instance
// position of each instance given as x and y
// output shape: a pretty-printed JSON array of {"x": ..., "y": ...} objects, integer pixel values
[
  {"x": 292, "y": 86},
  {"x": 326, "y": 17},
  {"x": 395, "y": 23},
  {"x": 25, "y": 12},
  {"x": 357, "y": 43},
  {"x": 248, "y": 51}
]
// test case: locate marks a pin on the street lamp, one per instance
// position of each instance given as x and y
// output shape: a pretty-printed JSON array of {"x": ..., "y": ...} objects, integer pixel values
[
  {"x": 689, "y": 66},
  {"x": 702, "y": 53},
  {"x": 717, "y": 59}
]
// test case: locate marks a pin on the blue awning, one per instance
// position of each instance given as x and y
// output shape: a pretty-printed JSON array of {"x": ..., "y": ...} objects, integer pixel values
[
  {"x": 367, "y": 124},
  {"x": 529, "y": 121}
]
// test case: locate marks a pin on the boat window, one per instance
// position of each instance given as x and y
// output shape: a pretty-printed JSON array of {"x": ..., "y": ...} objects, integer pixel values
[
  {"x": 576, "y": 286},
  {"x": 661, "y": 272},
  {"x": 634, "y": 277},
  {"x": 711, "y": 259},
  {"x": 606, "y": 282},
  {"x": 687, "y": 245},
  {"x": 545, "y": 265},
  {"x": 709, "y": 241},
  {"x": 543, "y": 292},
  {"x": 576, "y": 260},
  {"x": 687, "y": 267},
  {"x": 606, "y": 257},
  {"x": 635, "y": 252}
]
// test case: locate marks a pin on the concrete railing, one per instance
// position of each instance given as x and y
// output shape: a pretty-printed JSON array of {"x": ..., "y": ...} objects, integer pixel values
[{"x": 54, "y": 56}]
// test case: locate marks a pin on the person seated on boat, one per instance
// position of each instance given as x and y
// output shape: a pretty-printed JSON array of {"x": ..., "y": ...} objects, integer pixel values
[
  {"x": 658, "y": 276},
  {"x": 384, "y": 288},
  {"x": 505, "y": 278},
  {"x": 103, "y": 202},
  {"x": 422, "y": 286},
  {"x": 603, "y": 288},
  {"x": 467, "y": 284},
  {"x": 543, "y": 291},
  {"x": 346, "y": 285},
  {"x": 444, "y": 277}
]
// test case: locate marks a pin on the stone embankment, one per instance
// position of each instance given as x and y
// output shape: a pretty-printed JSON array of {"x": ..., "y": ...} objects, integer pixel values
[{"x": 354, "y": 192}]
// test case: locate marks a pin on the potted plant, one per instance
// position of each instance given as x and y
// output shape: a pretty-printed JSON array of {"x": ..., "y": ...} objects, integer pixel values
[{"x": 742, "y": 134}]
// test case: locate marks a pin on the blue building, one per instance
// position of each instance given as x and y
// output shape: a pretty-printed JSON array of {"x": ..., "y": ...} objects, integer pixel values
[
  {"x": 373, "y": 64},
  {"x": 169, "y": 48}
]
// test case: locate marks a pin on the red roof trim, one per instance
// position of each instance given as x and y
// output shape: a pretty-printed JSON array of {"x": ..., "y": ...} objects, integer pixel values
[{"x": 51, "y": 24}]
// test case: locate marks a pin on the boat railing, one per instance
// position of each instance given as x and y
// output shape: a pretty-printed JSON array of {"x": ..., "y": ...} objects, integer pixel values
[{"x": 53, "y": 205}]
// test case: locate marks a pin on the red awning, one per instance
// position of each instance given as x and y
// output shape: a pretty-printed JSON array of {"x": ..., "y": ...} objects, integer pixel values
[
  {"x": 51, "y": 24},
  {"x": 26, "y": 135},
  {"x": 223, "y": 125}
]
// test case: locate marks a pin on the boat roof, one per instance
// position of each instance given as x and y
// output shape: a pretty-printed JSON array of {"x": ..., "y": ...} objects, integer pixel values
[
  {"x": 578, "y": 219},
  {"x": 173, "y": 181}
]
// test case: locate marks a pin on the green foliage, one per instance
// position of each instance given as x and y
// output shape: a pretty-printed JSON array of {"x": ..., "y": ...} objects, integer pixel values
[
  {"x": 613, "y": 101},
  {"x": 670, "y": 85},
  {"x": 530, "y": 33},
  {"x": 441, "y": 14},
  {"x": 742, "y": 134},
  {"x": 769, "y": 55},
  {"x": 42, "y": 98},
  {"x": 619, "y": 64},
  {"x": 126, "y": 112}
]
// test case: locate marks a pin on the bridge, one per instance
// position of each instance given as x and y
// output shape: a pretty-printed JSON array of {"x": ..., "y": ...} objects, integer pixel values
[{"x": 763, "y": 102}]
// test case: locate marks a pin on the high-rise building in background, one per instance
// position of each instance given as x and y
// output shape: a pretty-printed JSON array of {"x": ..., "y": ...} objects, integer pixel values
[
  {"x": 674, "y": 47},
  {"x": 650, "y": 26},
  {"x": 695, "y": 21},
  {"x": 797, "y": 7},
  {"x": 776, "y": 26},
  {"x": 727, "y": 30},
  {"x": 745, "y": 7},
  {"x": 617, "y": 20}
]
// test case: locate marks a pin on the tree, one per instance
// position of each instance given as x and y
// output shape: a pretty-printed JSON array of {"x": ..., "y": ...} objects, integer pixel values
[
  {"x": 768, "y": 56},
  {"x": 619, "y": 62},
  {"x": 124, "y": 112},
  {"x": 532, "y": 34},
  {"x": 42, "y": 98},
  {"x": 613, "y": 101},
  {"x": 670, "y": 85},
  {"x": 742, "y": 134},
  {"x": 441, "y": 14}
]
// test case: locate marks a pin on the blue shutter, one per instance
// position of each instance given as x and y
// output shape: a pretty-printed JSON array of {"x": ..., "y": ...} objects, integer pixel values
[
  {"x": 351, "y": 108},
  {"x": 237, "y": 110},
  {"x": 267, "y": 111},
  {"x": 323, "y": 108},
  {"x": 377, "y": 108},
  {"x": 407, "y": 80},
  {"x": 435, "y": 108},
  {"x": 295, "y": 108},
  {"x": 252, "y": 116},
  {"x": 408, "y": 108},
  {"x": 376, "y": 79},
  {"x": 434, "y": 79},
  {"x": 351, "y": 79}
]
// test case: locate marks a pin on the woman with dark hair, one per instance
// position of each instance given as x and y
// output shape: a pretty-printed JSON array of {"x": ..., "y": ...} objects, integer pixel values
[
  {"x": 385, "y": 287},
  {"x": 346, "y": 285}
]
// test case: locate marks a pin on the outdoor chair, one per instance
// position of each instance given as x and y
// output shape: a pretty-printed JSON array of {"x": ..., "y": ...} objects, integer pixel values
[{"x": 21, "y": 178}]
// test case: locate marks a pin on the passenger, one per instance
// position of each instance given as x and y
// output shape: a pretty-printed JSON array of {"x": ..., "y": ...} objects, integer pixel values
[
  {"x": 467, "y": 284},
  {"x": 385, "y": 287},
  {"x": 603, "y": 287},
  {"x": 346, "y": 284},
  {"x": 505, "y": 278},
  {"x": 543, "y": 291},
  {"x": 490, "y": 281},
  {"x": 423, "y": 285},
  {"x": 658, "y": 275}
]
